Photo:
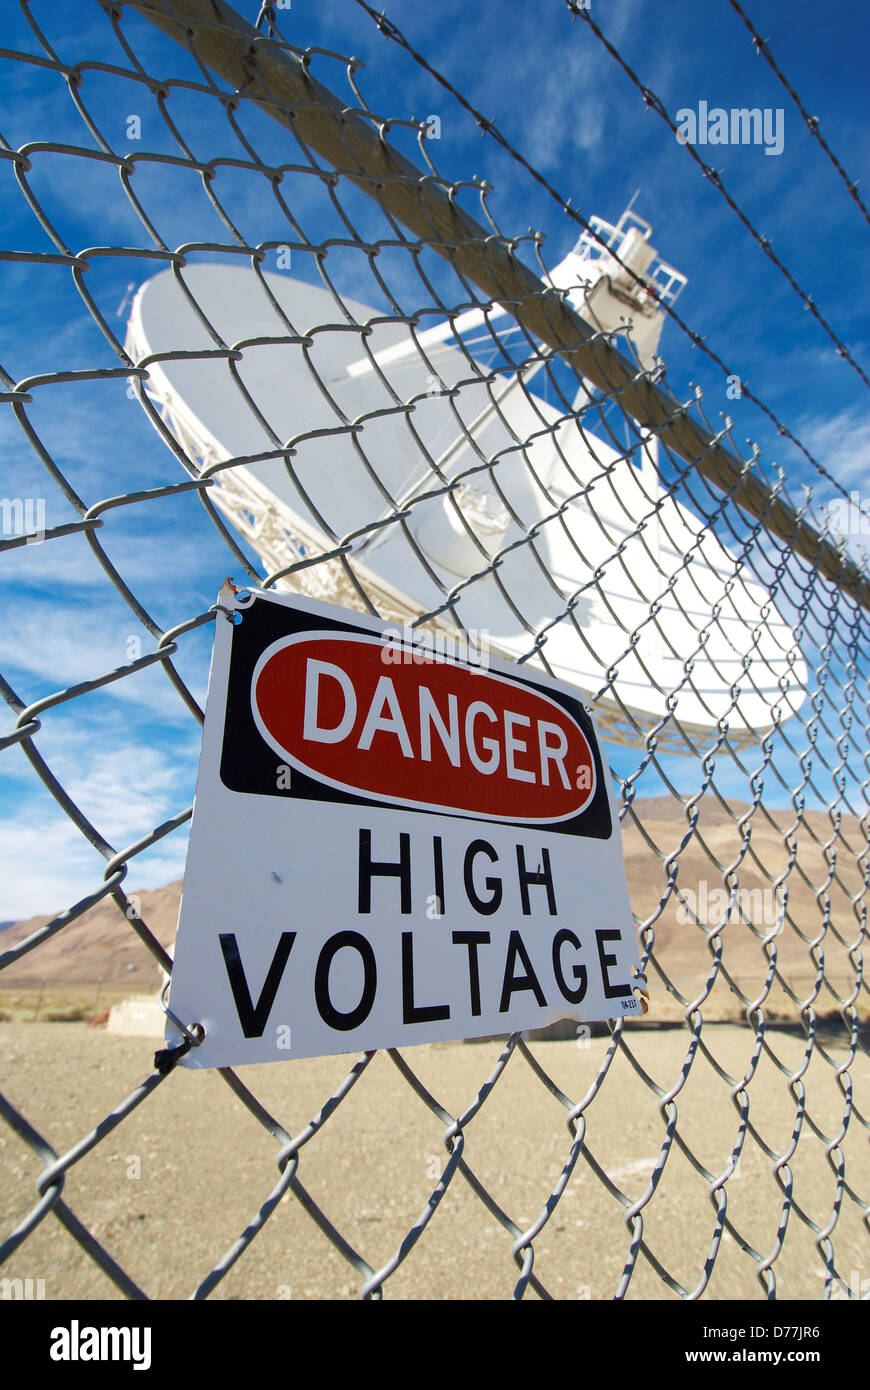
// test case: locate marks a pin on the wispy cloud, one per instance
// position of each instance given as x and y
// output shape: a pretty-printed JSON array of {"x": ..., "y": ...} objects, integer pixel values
[
  {"x": 124, "y": 790},
  {"x": 841, "y": 443},
  {"x": 59, "y": 645},
  {"x": 39, "y": 880}
]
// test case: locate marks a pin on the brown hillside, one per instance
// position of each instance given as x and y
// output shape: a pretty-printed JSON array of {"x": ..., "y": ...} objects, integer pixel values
[{"x": 101, "y": 945}]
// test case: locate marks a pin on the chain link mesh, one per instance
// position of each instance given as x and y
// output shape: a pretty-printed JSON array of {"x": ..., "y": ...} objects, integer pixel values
[{"x": 771, "y": 824}]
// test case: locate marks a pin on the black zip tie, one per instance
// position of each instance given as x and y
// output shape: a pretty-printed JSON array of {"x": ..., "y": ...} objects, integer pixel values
[{"x": 168, "y": 1057}]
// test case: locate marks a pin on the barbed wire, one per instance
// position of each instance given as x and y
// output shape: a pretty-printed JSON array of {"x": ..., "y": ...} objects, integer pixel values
[
  {"x": 812, "y": 122},
  {"x": 651, "y": 100},
  {"x": 391, "y": 30}
]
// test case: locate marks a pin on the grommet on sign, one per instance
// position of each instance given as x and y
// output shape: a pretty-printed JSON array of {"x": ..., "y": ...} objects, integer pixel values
[
  {"x": 193, "y": 1035},
  {"x": 641, "y": 990}
]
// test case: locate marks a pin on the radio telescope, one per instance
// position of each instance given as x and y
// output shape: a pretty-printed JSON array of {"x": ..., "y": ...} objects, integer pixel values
[{"x": 608, "y": 540}]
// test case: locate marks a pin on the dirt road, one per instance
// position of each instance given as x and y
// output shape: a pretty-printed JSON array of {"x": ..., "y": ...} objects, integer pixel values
[{"x": 170, "y": 1190}]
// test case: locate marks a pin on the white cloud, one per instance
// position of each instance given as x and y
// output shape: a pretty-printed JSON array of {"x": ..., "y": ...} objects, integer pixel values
[
  {"x": 47, "y": 866},
  {"x": 62, "y": 644},
  {"x": 841, "y": 443},
  {"x": 124, "y": 789}
]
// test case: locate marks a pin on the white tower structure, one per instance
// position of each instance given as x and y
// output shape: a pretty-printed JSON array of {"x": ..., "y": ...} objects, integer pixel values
[
  {"x": 607, "y": 294},
  {"x": 597, "y": 276}
]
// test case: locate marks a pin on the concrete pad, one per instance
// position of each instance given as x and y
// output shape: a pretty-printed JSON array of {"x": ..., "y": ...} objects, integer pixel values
[{"x": 140, "y": 1016}]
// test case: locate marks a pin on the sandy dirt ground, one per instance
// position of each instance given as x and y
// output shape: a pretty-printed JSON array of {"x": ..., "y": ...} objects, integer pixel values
[{"x": 170, "y": 1190}]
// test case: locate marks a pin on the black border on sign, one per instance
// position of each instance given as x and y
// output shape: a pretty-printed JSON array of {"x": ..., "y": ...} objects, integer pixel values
[{"x": 248, "y": 765}]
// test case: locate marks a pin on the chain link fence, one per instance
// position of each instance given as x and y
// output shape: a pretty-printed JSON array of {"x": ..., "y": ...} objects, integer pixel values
[{"x": 719, "y": 1146}]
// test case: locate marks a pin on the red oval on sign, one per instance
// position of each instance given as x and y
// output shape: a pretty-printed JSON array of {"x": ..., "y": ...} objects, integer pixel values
[{"x": 395, "y": 725}]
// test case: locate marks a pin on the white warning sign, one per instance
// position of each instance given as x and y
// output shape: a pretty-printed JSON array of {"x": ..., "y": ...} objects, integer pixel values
[{"x": 391, "y": 844}]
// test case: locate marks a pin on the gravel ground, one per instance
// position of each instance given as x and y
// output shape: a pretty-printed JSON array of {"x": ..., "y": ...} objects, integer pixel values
[{"x": 205, "y": 1166}]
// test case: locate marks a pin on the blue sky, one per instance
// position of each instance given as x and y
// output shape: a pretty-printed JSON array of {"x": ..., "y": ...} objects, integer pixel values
[{"x": 128, "y": 753}]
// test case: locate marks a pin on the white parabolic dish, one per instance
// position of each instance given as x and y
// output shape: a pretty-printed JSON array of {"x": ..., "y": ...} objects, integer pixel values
[{"x": 335, "y": 483}]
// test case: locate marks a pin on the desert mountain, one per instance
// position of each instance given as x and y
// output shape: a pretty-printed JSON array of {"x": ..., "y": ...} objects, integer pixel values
[{"x": 822, "y": 883}]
